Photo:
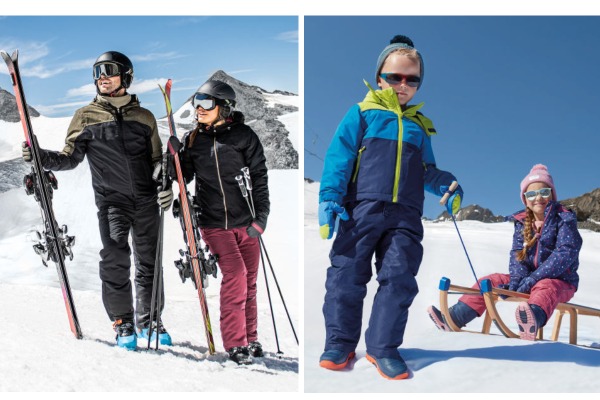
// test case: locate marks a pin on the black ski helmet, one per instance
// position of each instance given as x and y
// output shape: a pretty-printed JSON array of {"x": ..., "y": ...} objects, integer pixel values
[
  {"x": 223, "y": 94},
  {"x": 219, "y": 90},
  {"x": 124, "y": 63}
]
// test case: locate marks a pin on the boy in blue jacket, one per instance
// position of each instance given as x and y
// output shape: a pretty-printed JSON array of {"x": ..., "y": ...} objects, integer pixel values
[{"x": 376, "y": 169}]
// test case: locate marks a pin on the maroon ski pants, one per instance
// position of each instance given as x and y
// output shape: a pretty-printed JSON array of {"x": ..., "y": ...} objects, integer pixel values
[
  {"x": 238, "y": 260},
  {"x": 546, "y": 293}
]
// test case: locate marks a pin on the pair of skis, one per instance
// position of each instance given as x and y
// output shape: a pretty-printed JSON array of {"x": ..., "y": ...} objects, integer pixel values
[
  {"x": 195, "y": 265},
  {"x": 53, "y": 242}
]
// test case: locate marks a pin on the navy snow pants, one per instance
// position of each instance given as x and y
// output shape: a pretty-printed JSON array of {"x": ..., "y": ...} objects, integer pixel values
[
  {"x": 393, "y": 233},
  {"x": 116, "y": 223}
]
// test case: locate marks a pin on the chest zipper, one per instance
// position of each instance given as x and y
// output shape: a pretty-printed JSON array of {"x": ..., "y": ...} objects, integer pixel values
[
  {"x": 219, "y": 177},
  {"x": 119, "y": 116},
  {"x": 355, "y": 175}
]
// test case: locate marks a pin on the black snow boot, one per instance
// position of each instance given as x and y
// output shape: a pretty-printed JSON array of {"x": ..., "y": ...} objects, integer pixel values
[
  {"x": 255, "y": 349},
  {"x": 240, "y": 355}
]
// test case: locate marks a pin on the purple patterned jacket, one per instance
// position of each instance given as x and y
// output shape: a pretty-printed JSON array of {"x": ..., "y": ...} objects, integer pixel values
[{"x": 556, "y": 253}]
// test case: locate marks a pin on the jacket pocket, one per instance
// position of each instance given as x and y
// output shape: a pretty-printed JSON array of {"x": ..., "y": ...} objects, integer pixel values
[{"x": 355, "y": 174}]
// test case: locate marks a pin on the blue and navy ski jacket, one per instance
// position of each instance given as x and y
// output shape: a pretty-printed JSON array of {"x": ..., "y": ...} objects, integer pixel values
[
  {"x": 556, "y": 252},
  {"x": 381, "y": 152}
]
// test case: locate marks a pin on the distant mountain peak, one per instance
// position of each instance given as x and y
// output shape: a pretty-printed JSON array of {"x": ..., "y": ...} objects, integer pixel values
[
  {"x": 472, "y": 212},
  {"x": 587, "y": 208},
  {"x": 8, "y": 108},
  {"x": 261, "y": 110}
]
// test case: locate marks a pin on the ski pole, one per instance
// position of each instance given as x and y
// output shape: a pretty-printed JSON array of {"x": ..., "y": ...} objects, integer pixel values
[
  {"x": 246, "y": 172},
  {"x": 262, "y": 243},
  {"x": 157, "y": 282},
  {"x": 443, "y": 201},
  {"x": 244, "y": 191},
  {"x": 242, "y": 186}
]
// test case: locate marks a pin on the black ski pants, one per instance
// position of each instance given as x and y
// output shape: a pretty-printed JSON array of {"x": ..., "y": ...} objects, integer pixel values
[{"x": 116, "y": 223}]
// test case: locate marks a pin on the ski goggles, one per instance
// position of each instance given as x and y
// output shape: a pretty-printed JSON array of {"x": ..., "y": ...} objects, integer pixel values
[
  {"x": 532, "y": 194},
  {"x": 394, "y": 79},
  {"x": 107, "y": 69},
  {"x": 204, "y": 101}
]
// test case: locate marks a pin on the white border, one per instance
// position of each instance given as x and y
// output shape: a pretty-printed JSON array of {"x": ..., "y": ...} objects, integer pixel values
[{"x": 300, "y": 7}]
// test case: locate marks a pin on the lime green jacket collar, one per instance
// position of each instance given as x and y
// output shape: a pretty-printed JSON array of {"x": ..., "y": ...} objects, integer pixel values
[{"x": 386, "y": 99}]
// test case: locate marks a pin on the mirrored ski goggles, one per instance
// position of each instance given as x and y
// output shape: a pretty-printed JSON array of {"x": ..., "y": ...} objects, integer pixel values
[
  {"x": 544, "y": 192},
  {"x": 106, "y": 69},
  {"x": 394, "y": 79},
  {"x": 205, "y": 101}
]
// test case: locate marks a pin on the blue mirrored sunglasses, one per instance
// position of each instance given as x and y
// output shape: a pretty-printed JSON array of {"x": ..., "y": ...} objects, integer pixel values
[
  {"x": 544, "y": 192},
  {"x": 394, "y": 79}
]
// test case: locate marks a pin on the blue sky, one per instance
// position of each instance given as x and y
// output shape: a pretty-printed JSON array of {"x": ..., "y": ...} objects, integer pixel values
[
  {"x": 504, "y": 93},
  {"x": 57, "y": 53}
]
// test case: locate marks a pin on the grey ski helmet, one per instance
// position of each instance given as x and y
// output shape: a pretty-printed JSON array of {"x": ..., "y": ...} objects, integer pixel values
[{"x": 125, "y": 67}]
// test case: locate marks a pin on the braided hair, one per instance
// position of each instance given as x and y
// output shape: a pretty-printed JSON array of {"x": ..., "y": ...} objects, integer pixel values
[{"x": 530, "y": 235}]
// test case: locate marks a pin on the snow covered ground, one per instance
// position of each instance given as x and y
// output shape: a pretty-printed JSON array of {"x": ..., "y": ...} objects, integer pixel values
[
  {"x": 41, "y": 354},
  {"x": 455, "y": 362}
]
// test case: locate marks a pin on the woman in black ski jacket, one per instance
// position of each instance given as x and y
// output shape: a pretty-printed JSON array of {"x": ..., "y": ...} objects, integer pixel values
[{"x": 220, "y": 153}]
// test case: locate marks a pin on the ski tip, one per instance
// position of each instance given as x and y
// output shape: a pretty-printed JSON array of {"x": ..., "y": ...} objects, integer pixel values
[{"x": 7, "y": 57}]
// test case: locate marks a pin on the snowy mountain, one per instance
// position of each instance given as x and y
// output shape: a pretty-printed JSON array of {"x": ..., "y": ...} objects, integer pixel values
[
  {"x": 8, "y": 108},
  {"x": 455, "y": 362},
  {"x": 41, "y": 353},
  {"x": 472, "y": 212},
  {"x": 268, "y": 113}
]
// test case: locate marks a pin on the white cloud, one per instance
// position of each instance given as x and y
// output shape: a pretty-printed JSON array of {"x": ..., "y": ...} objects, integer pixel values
[
  {"x": 28, "y": 51},
  {"x": 141, "y": 86},
  {"x": 147, "y": 85},
  {"x": 56, "y": 108},
  {"x": 289, "y": 36},
  {"x": 157, "y": 56},
  {"x": 85, "y": 90}
]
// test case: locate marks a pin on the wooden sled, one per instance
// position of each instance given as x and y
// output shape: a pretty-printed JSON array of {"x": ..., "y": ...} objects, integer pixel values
[{"x": 492, "y": 295}]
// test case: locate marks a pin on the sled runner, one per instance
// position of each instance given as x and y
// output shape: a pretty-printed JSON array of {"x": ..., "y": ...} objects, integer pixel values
[{"x": 492, "y": 295}]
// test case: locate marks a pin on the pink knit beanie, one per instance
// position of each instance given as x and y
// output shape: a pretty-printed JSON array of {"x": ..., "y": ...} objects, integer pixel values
[{"x": 539, "y": 173}]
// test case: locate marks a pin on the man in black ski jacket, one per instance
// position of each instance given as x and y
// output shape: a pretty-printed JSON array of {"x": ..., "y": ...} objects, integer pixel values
[{"x": 120, "y": 139}]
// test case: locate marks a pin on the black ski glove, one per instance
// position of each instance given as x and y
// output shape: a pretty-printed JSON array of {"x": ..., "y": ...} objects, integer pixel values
[
  {"x": 174, "y": 144},
  {"x": 256, "y": 229}
]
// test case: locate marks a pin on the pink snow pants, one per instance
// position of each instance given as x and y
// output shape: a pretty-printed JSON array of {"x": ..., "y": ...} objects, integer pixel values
[
  {"x": 546, "y": 293},
  {"x": 238, "y": 260}
]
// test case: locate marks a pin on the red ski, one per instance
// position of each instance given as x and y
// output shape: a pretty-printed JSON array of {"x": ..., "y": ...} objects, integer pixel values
[
  {"x": 195, "y": 256},
  {"x": 54, "y": 244}
]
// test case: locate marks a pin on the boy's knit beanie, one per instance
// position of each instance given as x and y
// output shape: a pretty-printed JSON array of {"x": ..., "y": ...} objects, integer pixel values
[
  {"x": 539, "y": 173},
  {"x": 397, "y": 42}
]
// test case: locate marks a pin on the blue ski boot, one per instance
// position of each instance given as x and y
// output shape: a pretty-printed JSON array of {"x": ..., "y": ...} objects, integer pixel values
[
  {"x": 163, "y": 336},
  {"x": 126, "y": 336}
]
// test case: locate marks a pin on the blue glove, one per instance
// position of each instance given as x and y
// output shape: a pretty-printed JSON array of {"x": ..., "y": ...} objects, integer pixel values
[
  {"x": 526, "y": 284},
  {"x": 328, "y": 213},
  {"x": 456, "y": 196},
  {"x": 505, "y": 287},
  {"x": 514, "y": 284}
]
